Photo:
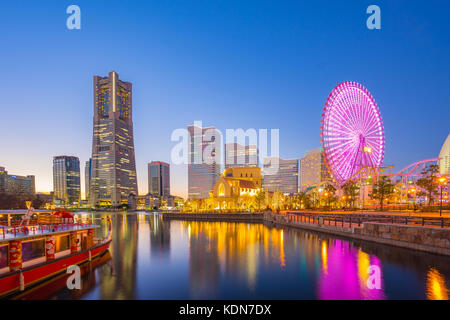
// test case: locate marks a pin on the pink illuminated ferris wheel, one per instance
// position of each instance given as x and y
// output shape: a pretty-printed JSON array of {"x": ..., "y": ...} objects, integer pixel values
[{"x": 352, "y": 131}]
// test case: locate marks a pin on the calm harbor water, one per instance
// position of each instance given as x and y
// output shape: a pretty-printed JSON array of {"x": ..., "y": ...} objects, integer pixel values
[{"x": 151, "y": 258}]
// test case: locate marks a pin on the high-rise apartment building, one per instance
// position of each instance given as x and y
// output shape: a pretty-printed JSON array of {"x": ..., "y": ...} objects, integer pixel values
[
  {"x": 113, "y": 171},
  {"x": 16, "y": 185},
  {"x": 159, "y": 179},
  {"x": 66, "y": 180},
  {"x": 313, "y": 169},
  {"x": 203, "y": 160},
  {"x": 285, "y": 179},
  {"x": 444, "y": 163},
  {"x": 87, "y": 178},
  {"x": 239, "y": 156}
]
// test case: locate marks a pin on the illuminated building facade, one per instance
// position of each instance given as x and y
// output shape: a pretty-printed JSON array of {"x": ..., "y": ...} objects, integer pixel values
[
  {"x": 235, "y": 189},
  {"x": 16, "y": 185},
  {"x": 285, "y": 180},
  {"x": 159, "y": 179},
  {"x": 87, "y": 178},
  {"x": 203, "y": 173},
  {"x": 66, "y": 180},
  {"x": 113, "y": 171},
  {"x": 313, "y": 169},
  {"x": 444, "y": 164},
  {"x": 239, "y": 156}
]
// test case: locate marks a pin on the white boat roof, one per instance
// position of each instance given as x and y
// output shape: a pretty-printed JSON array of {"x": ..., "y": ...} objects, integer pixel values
[{"x": 35, "y": 231}]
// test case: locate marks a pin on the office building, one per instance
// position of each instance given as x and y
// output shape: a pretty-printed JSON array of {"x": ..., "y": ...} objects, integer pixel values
[
  {"x": 285, "y": 179},
  {"x": 313, "y": 169},
  {"x": 16, "y": 185},
  {"x": 159, "y": 179},
  {"x": 203, "y": 161},
  {"x": 239, "y": 156},
  {"x": 87, "y": 178},
  {"x": 66, "y": 180},
  {"x": 113, "y": 171}
]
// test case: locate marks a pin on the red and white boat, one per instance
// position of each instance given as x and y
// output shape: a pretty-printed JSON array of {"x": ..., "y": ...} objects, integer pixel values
[{"x": 33, "y": 253}]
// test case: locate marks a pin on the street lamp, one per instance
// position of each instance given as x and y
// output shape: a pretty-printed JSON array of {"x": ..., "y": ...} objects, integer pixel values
[
  {"x": 442, "y": 180},
  {"x": 413, "y": 190}
]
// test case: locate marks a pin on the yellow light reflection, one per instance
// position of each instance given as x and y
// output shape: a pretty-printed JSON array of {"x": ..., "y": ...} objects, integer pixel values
[
  {"x": 436, "y": 289},
  {"x": 324, "y": 257},
  {"x": 363, "y": 266}
]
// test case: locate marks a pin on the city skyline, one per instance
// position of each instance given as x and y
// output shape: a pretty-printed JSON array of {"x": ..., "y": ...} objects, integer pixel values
[{"x": 239, "y": 92}]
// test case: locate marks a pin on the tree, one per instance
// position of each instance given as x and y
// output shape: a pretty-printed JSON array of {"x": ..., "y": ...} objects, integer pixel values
[
  {"x": 350, "y": 190},
  {"x": 382, "y": 189},
  {"x": 428, "y": 182},
  {"x": 17, "y": 201},
  {"x": 330, "y": 195},
  {"x": 260, "y": 199},
  {"x": 304, "y": 199}
]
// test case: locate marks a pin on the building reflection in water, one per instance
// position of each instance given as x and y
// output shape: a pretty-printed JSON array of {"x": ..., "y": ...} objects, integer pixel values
[
  {"x": 237, "y": 249},
  {"x": 345, "y": 273},
  {"x": 159, "y": 236},
  {"x": 120, "y": 282},
  {"x": 223, "y": 260},
  {"x": 436, "y": 288}
]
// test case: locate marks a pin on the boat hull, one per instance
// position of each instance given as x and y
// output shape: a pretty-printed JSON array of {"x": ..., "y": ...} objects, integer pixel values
[{"x": 33, "y": 275}]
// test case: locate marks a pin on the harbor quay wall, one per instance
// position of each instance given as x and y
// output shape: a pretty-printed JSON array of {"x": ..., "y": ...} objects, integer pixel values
[
  {"x": 230, "y": 217},
  {"x": 429, "y": 239}
]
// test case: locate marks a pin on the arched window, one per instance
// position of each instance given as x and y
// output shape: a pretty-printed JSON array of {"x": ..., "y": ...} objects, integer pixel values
[{"x": 221, "y": 190}]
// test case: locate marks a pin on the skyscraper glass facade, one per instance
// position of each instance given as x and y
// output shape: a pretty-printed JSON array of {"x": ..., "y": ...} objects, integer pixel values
[
  {"x": 313, "y": 169},
  {"x": 239, "y": 156},
  {"x": 113, "y": 168},
  {"x": 203, "y": 161},
  {"x": 66, "y": 180},
  {"x": 285, "y": 180},
  {"x": 159, "y": 179},
  {"x": 87, "y": 178},
  {"x": 16, "y": 185}
]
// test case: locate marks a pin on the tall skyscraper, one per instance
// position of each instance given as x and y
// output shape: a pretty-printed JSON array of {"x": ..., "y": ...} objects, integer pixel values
[
  {"x": 113, "y": 171},
  {"x": 159, "y": 179},
  {"x": 16, "y": 185},
  {"x": 239, "y": 156},
  {"x": 203, "y": 161},
  {"x": 313, "y": 169},
  {"x": 66, "y": 180},
  {"x": 444, "y": 164},
  {"x": 285, "y": 180},
  {"x": 87, "y": 178}
]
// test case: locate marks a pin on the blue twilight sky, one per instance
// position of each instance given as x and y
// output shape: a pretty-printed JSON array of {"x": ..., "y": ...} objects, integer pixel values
[{"x": 232, "y": 64}]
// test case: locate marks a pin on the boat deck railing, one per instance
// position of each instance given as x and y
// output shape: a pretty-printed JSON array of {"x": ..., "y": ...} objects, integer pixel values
[{"x": 21, "y": 231}]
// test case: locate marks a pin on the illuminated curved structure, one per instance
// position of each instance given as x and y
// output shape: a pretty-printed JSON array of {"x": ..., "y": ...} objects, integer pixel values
[{"x": 352, "y": 131}]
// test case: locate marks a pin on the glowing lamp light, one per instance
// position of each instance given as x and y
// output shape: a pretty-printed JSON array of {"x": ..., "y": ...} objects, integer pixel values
[
  {"x": 442, "y": 180},
  {"x": 367, "y": 150}
]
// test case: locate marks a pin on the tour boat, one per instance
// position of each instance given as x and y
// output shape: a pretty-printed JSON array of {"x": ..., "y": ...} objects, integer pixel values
[{"x": 32, "y": 254}]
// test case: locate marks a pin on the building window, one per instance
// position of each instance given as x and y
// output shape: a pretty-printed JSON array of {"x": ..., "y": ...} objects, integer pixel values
[
  {"x": 221, "y": 190},
  {"x": 62, "y": 243},
  {"x": 33, "y": 249},
  {"x": 3, "y": 257}
]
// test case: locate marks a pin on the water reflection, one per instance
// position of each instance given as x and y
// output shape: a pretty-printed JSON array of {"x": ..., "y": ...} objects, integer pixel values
[
  {"x": 436, "y": 288},
  {"x": 153, "y": 258}
]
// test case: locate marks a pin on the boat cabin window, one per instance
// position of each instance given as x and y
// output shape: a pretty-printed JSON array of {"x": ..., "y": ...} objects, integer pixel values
[
  {"x": 62, "y": 243},
  {"x": 33, "y": 249},
  {"x": 3, "y": 256}
]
